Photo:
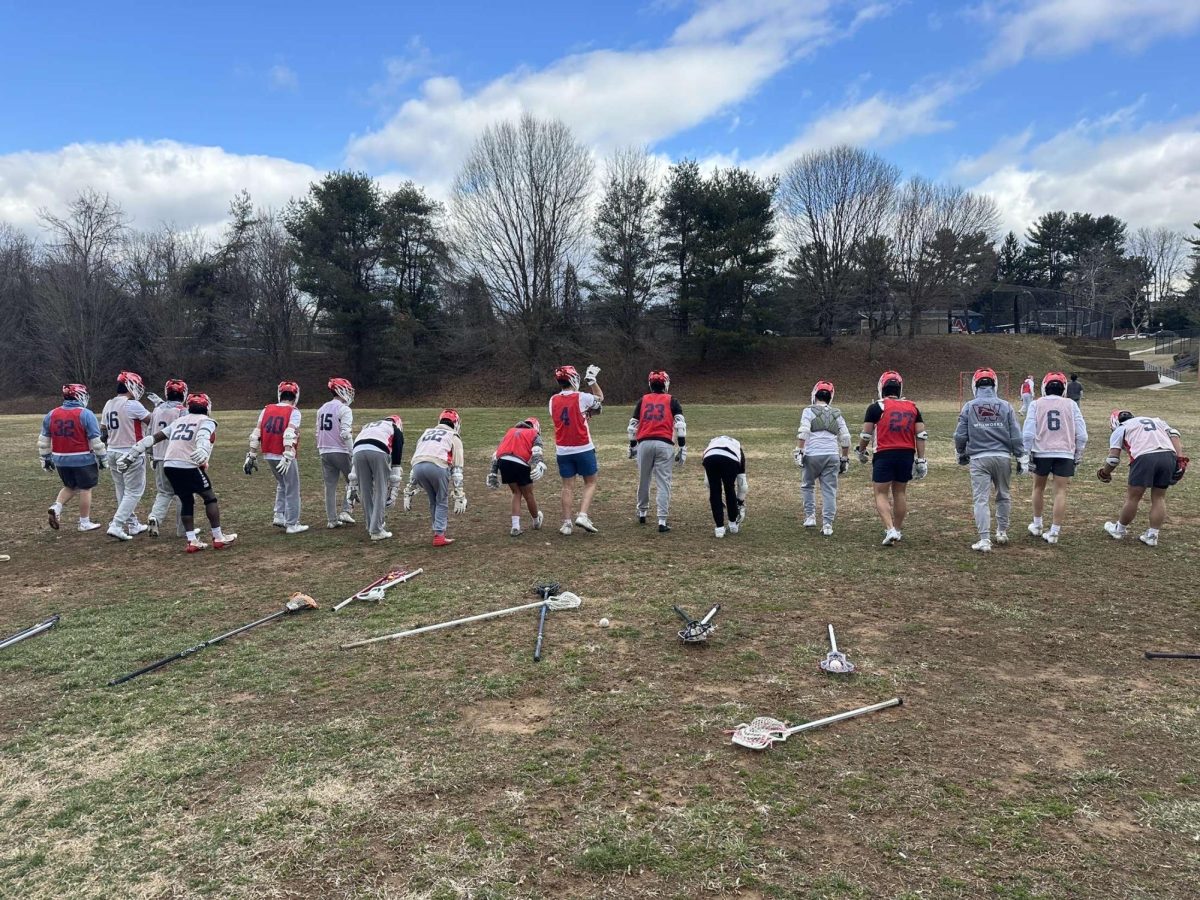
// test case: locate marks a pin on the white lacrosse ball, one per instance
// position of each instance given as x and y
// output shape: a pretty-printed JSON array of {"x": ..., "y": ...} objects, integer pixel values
[{"x": 604, "y": 623}]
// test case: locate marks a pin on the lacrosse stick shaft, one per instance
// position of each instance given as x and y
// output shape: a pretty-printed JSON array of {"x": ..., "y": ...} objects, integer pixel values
[
  {"x": 382, "y": 583},
  {"x": 29, "y": 632},
  {"x": 1151, "y": 654},
  {"x": 832, "y": 640},
  {"x": 841, "y": 717},
  {"x": 712, "y": 612},
  {"x": 451, "y": 624},
  {"x": 537, "y": 650},
  {"x": 687, "y": 620}
]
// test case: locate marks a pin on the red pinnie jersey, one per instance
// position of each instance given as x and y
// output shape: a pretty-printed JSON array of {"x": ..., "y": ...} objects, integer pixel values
[
  {"x": 518, "y": 442},
  {"x": 656, "y": 420},
  {"x": 273, "y": 423},
  {"x": 570, "y": 425},
  {"x": 897, "y": 427},
  {"x": 67, "y": 434}
]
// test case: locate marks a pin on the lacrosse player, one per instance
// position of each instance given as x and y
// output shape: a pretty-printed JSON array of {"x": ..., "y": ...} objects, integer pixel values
[
  {"x": 896, "y": 425},
  {"x": 822, "y": 453},
  {"x": 656, "y": 426},
  {"x": 1027, "y": 388},
  {"x": 277, "y": 433},
  {"x": 518, "y": 463},
  {"x": 724, "y": 464},
  {"x": 1156, "y": 461},
  {"x": 70, "y": 444},
  {"x": 335, "y": 421},
  {"x": 190, "y": 442},
  {"x": 1055, "y": 434},
  {"x": 377, "y": 472},
  {"x": 122, "y": 424},
  {"x": 570, "y": 410},
  {"x": 165, "y": 412},
  {"x": 437, "y": 469},
  {"x": 988, "y": 434}
]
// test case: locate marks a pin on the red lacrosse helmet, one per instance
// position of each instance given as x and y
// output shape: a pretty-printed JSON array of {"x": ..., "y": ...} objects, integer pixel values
[
  {"x": 890, "y": 377},
  {"x": 567, "y": 374},
  {"x": 342, "y": 389},
  {"x": 133, "y": 384},
  {"x": 1052, "y": 377},
  {"x": 531, "y": 422},
  {"x": 287, "y": 387},
  {"x": 175, "y": 386},
  {"x": 198, "y": 403},
  {"x": 980, "y": 375},
  {"x": 77, "y": 392},
  {"x": 451, "y": 416},
  {"x": 1118, "y": 416},
  {"x": 658, "y": 376},
  {"x": 395, "y": 420},
  {"x": 822, "y": 386}
]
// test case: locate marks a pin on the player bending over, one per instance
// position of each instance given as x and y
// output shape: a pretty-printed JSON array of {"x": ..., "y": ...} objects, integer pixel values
[
  {"x": 377, "y": 472},
  {"x": 657, "y": 424},
  {"x": 189, "y": 447},
  {"x": 987, "y": 437},
  {"x": 724, "y": 465},
  {"x": 1156, "y": 461},
  {"x": 899, "y": 433},
  {"x": 518, "y": 463},
  {"x": 278, "y": 434},
  {"x": 165, "y": 412},
  {"x": 570, "y": 411},
  {"x": 70, "y": 444},
  {"x": 1054, "y": 435},
  {"x": 822, "y": 453},
  {"x": 123, "y": 423},
  {"x": 437, "y": 469},
  {"x": 335, "y": 423}
]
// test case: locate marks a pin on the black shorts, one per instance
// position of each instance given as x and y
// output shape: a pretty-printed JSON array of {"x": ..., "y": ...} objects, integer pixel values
[
  {"x": 186, "y": 482},
  {"x": 893, "y": 465},
  {"x": 1152, "y": 470},
  {"x": 513, "y": 472},
  {"x": 79, "y": 478},
  {"x": 1052, "y": 465}
]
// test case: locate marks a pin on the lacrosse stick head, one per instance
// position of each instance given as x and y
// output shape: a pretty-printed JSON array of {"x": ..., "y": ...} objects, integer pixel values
[
  {"x": 835, "y": 663},
  {"x": 759, "y": 733},
  {"x": 299, "y": 601},
  {"x": 565, "y": 600},
  {"x": 546, "y": 589},
  {"x": 696, "y": 632}
]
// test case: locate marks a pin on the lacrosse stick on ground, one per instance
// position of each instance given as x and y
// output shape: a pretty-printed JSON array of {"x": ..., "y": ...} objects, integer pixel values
[
  {"x": 29, "y": 632},
  {"x": 696, "y": 631},
  {"x": 761, "y": 733},
  {"x": 377, "y": 588},
  {"x": 296, "y": 603},
  {"x": 544, "y": 591},
  {"x": 835, "y": 662},
  {"x": 1150, "y": 654},
  {"x": 565, "y": 600}
]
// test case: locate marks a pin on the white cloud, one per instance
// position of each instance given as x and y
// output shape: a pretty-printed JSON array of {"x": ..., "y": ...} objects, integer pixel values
[
  {"x": 415, "y": 62},
  {"x": 1147, "y": 175},
  {"x": 283, "y": 78},
  {"x": 156, "y": 182}
]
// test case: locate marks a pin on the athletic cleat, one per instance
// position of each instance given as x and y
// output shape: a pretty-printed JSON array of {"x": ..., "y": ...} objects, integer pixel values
[
  {"x": 719, "y": 532},
  {"x": 279, "y": 523},
  {"x": 333, "y": 524},
  {"x": 566, "y": 527},
  {"x": 664, "y": 528},
  {"x": 89, "y": 526},
  {"x": 1150, "y": 540},
  {"x": 53, "y": 518},
  {"x": 734, "y": 527},
  {"x": 224, "y": 542},
  {"x": 196, "y": 546},
  {"x": 152, "y": 526},
  {"x": 983, "y": 545},
  {"x": 641, "y": 520},
  {"x": 1050, "y": 538},
  {"x": 1035, "y": 530},
  {"x": 827, "y": 529},
  {"x": 380, "y": 535},
  {"x": 810, "y": 522},
  {"x": 345, "y": 518},
  {"x": 1115, "y": 531},
  {"x": 890, "y": 537},
  {"x": 296, "y": 529},
  {"x": 440, "y": 540},
  {"x": 119, "y": 533},
  {"x": 135, "y": 528},
  {"x": 1001, "y": 537},
  {"x": 584, "y": 521},
  {"x": 516, "y": 532},
  {"x": 537, "y": 523}
]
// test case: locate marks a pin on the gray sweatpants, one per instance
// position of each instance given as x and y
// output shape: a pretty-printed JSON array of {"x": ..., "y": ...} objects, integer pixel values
[
  {"x": 287, "y": 493},
  {"x": 372, "y": 468},
  {"x": 655, "y": 458},
  {"x": 822, "y": 469},
  {"x": 988, "y": 472},
  {"x": 435, "y": 481},
  {"x": 163, "y": 498},
  {"x": 333, "y": 466},
  {"x": 129, "y": 485}
]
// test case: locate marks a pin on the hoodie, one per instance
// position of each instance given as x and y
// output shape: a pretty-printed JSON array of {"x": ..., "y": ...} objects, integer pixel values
[{"x": 987, "y": 426}]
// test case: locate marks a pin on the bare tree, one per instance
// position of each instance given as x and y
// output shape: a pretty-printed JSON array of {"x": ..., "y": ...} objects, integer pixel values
[
  {"x": 830, "y": 201},
  {"x": 1162, "y": 249},
  {"x": 519, "y": 209},
  {"x": 18, "y": 277},
  {"x": 278, "y": 317}
]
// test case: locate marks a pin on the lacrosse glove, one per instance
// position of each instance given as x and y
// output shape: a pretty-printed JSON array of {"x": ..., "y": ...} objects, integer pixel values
[
  {"x": 493, "y": 481},
  {"x": 589, "y": 377},
  {"x": 681, "y": 456},
  {"x": 843, "y": 465},
  {"x": 741, "y": 487},
  {"x": 352, "y": 488},
  {"x": 285, "y": 461},
  {"x": 460, "y": 504},
  {"x": 48, "y": 463},
  {"x": 1181, "y": 467},
  {"x": 863, "y": 455},
  {"x": 154, "y": 399},
  {"x": 1104, "y": 473},
  {"x": 409, "y": 490},
  {"x": 250, "y": 466},
  {"x": 633, "y": 449},
  {"x": 1023, "y": 464},
  {"x": 798, "y": 457},
  {"x": 537, "y": 471},
  {"x": 102, "y": 461},
  {"x": 920, "y": 469}
]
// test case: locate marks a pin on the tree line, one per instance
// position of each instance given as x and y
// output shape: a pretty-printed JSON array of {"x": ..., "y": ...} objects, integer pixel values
[{"x": 538, "y": 254}]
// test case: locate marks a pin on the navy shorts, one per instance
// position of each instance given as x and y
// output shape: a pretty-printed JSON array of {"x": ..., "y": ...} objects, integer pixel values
[
  {"x": 893, "y": 465},
  {"x": 582, "y": 464},
  {"x": 79, "y": 478},
  {"x": 1049, "y": 465},
  {"x": 1152, "y": 470},
  {"x": 513, "y": 472}
]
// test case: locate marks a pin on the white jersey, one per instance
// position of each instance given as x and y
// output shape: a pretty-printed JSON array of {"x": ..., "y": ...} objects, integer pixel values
[
  {"x": 125, "y": 420},
  {"x": 724, "y": 445},
  {"x": 1141, "y": 436},
  {"x": 160, "y": 420},
  {"x": 335, "y": 420},
  {"x": 182, "y": 441},
  {"x": 439, "y": 445}
]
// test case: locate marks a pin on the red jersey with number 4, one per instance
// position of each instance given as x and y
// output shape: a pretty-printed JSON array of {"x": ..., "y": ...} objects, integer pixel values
[
  {"x": 570, "y": 425},
  {"x": 655, "y": 419},
  {"x": 67, "y": 434},
  {"x": 272, "y": 424},
  {"x": 519, "y": 443},
  {"x": 897, "y": 427}
]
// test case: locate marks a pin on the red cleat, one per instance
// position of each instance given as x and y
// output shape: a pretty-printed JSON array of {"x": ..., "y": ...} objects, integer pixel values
[
  {"x": 224, "y": 542},
  {"x": 440, "y": 540}
]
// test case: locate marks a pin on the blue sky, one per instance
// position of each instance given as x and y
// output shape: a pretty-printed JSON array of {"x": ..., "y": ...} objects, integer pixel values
[{"x": 1041, "y": 103}]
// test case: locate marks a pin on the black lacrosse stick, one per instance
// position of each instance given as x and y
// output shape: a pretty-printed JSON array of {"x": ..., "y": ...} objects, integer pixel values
[
  {"x": 544, "y": 591},
  {"x": 696, "y": 630}
]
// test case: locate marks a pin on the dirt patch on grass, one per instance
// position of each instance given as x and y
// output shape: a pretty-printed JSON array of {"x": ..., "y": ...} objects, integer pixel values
[{"x": 525, "y": 716}]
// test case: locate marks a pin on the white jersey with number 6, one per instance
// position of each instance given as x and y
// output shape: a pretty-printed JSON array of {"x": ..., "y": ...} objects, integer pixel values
[{"x": 182, "y": 441}]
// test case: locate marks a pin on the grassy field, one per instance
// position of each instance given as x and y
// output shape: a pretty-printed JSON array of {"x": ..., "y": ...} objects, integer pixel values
[{"x": 1037, "y": 753}]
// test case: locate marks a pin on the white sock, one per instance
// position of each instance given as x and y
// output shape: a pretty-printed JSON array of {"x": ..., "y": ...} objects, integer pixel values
[
  {"x": 662, "y": 520},
  {"x": 83, "y": 520},
  {"x": 217, "y": 535},
  {"x": 58, "y": 508},
  {"x": 1120, "y": 528},
  {"x": 1037, "y": 521},
  {"x": 1151, "y": 532},
  {"x": 191, "y": 536},
  {"x": 1054, "y": 529},
  {"x": 516, "y": 520}
]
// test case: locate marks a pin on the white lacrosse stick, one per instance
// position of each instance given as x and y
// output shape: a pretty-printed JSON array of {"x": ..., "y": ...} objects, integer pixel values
[
  {"x": 565, "y": 600},
  {"x": 696, "y": 630},
  {"x": 376, "y": 589},
  {"x": 835, "y": 662},
  {"x": 761, "y": 733}
]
